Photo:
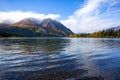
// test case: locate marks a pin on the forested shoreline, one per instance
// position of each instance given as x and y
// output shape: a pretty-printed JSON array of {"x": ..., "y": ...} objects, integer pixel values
[{"x": 111, "y": 33}]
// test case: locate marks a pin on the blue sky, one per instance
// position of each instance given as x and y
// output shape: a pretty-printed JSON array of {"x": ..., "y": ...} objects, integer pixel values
[
  {"x": 78, "y": 15},
  {"x": 62, "y": 7}
]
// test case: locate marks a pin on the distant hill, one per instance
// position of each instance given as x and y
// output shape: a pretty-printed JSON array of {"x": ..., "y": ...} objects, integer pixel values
[
  {"x": 31, "y": 27},
  {"x": 117, "y": 28}
]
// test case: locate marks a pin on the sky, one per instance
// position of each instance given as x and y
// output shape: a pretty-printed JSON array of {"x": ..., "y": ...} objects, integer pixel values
[{"x": 81, "y": 16}]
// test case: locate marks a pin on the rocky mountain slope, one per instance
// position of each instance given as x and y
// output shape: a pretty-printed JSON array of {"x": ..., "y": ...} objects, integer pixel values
[{"x": 32, "y": 27}]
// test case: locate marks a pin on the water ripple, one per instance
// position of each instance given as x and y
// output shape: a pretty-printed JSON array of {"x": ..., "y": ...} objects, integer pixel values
[{"x": 59, "y": 58}]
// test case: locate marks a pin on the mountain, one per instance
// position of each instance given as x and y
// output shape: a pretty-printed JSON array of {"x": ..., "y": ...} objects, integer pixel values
[
  {"x": 55, "y": 27},
  {"x": 27, "y": 22},
  {"x": 4, "y": 25},
  {"x": 117, "y": 28},
  {"x": 32, "y": 27}
]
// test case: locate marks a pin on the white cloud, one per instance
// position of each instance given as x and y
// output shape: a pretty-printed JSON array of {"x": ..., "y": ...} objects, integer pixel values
[
  {"x": 19, "y": 15},
  {"x": 93, "y": 16}
]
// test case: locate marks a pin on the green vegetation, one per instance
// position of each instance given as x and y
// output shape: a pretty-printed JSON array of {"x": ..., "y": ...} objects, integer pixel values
[
  {"x": 111, "y": 33},
  {"x": 80, "y": 35}
]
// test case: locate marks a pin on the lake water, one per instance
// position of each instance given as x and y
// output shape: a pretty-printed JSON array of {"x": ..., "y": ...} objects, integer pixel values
[{"x": 59, "y": 58}]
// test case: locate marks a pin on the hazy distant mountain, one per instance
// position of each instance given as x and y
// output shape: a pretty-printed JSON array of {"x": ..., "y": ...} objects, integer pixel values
[
  {"x": 34, "y": 27},
  {"x": 7, "y": 22},
  {"x": 117, "y": 28},
  {"x": 4, "y": 25}
]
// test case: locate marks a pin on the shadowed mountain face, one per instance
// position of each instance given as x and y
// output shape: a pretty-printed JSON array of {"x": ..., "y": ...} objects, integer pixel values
[
  {"x": 32, "y": 27},
  {"x": 52, "y": 26}
]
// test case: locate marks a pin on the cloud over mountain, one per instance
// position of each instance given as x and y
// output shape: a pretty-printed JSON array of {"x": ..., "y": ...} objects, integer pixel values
[{"x": 19, "y": 15}]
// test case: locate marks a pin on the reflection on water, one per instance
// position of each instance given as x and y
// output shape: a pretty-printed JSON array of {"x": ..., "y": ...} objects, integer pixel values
[{"x": 59, "y": 58}]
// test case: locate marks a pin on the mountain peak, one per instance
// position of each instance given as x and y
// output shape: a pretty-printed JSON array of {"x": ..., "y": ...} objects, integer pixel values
[
  {"x": 27, "y": 22},
  {"x": 47, "y": 20},
  {"x": 31, "y": 19},
  {"x": 56, "y": 26}
]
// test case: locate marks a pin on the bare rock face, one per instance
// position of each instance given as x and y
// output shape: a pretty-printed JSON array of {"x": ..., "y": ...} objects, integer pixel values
[{"x": 55, "y": 27}]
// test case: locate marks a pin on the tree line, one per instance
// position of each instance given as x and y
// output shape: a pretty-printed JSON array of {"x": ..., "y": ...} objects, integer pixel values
[
  {"x": 6, "y": 34},
  {"x": 100, "y": 34}
]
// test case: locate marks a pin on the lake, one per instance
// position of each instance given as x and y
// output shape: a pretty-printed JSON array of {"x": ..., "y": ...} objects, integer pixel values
[{"x": 59, "y": 58}]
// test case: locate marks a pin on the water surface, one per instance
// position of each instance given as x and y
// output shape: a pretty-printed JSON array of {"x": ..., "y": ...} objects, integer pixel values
[{"x": 59, "y": 58}]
